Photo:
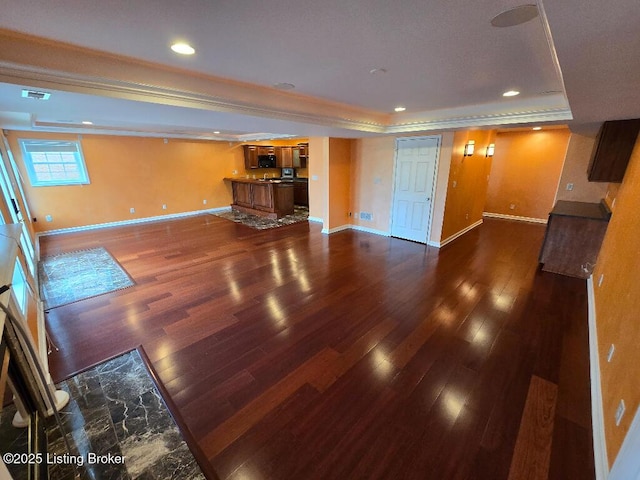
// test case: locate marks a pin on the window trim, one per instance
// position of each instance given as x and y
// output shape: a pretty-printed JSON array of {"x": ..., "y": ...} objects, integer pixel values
[{"x": 57, "y": 146}]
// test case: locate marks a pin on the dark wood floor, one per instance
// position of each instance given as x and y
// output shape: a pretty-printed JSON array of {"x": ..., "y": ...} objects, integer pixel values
[{"x": 290, "y": 354}]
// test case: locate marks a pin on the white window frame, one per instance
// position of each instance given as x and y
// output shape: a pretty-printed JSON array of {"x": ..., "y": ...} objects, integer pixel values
[{"x": 53, "y": 148}]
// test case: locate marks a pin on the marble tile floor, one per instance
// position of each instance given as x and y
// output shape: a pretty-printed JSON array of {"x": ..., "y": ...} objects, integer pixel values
[{"x": 116, "y": 412}]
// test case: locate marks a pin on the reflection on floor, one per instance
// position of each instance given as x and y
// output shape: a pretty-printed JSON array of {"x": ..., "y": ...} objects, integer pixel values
[{"x": 116, "y": 411}]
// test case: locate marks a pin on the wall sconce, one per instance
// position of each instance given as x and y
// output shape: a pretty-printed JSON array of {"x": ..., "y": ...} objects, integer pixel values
[
  {"x": 469, "y": 148},
  {"x": 490, "y": 149}
]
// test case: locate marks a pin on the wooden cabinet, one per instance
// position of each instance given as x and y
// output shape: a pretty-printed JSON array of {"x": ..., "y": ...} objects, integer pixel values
[
  {"x": 271, "y": 199},
  {"x": 612, "y": 150},
  {"x": 300, "y": 155},
  {"x": 574, "y": 234},
  {"x": 242, "y": 194},
  {"x": 301, "y": 193},
  {"x": 250, "y": 156},
  {"x": 284, "y": 157}
]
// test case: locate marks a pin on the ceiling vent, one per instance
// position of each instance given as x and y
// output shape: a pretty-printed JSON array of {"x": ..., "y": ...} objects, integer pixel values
[{"x": 35, "y": 95}]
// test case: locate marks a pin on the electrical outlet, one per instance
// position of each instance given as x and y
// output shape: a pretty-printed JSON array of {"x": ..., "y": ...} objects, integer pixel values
[
  {"x": 132, "y": 210},
  {"x": 512, "y": 206},
  {"x": 164, "y": 206},
  {"x": 454, "y": 184},
  {"x": 612, "y": 349},
  {"x": 204, "y": 202},
  {"x": 569, "y": 186},
  {"x": 466, "y": 216},
  {"x": 620, "y": 412},
  {"x": 601, "y": 279},
  {"x": 49, "y": 218}
]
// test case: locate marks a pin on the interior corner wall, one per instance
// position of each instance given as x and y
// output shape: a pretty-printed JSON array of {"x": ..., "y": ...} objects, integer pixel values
[
  {"x": 617, "y": 305},
  {"x": 574, "y": 172},
  {"x": 339, "y": 183},
  {"x": 319, "y": 179},
  {"x": 441, "y": 187},
  {"x": 467, "y": 187},
  {"x": 134, "y": 172},
  {"x": 525, "y": 172}
]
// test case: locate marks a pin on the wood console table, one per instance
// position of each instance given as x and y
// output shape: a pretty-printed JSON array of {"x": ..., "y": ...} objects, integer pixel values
[{"x": 574, "y": 234}]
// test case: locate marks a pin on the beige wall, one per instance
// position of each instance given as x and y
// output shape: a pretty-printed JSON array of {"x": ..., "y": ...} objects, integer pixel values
[
  {"x": 467, "y": 185},
  {"x": 372, "y": 184},
  {"x": 618, "y": 306},
  {"x": 575, "y": 172},
  {"x": 318, "y": 171},
  {"x": 525, "y": 172}
]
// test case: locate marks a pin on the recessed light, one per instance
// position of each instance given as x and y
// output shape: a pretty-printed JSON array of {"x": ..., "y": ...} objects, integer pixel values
[
  {"x": 515, "y": 16},
  {"x": 183, "y": 48},
  {"x": 511, "y": 93},
  {"x": 216, "y": 132},
  {"x": 536, "y": 128},
  {"x": 284, "y": 86},
  {"x": 400, "y": 109},
  {"x": 87, "y": 122},
  {"x": 375, "y": 71}
]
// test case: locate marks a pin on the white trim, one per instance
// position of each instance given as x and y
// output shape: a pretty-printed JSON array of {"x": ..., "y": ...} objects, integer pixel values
[
  {"x": 597, "y": 414},
  {"x": 371, "y": 230},
  {"x": 329, "y": 231},
  {"x": 514, "y": 217},
  {"x": 131, "y": 222},
  {"x": 315, "y": 219},
  {"x": 456, "y": 235},
  {"x": 627, "y": 463}
]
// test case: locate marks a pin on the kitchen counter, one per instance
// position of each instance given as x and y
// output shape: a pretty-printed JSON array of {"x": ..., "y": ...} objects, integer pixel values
[{"x": 271, "y": 198}]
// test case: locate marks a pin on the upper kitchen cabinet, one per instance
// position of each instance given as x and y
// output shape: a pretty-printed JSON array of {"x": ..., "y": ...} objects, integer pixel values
[
  {"x": 284, "y": 157},
  {"x": 250, "y": 156},
  {"x": 612, "y": 150},
  {"x": 300, "y": 155}
]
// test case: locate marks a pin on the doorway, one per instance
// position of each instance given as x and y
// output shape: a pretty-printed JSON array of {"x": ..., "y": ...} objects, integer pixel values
[{"x": 415, "y": 168}]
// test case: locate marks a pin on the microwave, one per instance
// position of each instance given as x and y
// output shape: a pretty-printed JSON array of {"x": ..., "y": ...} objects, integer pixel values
[{"x": 266, "y": 161}]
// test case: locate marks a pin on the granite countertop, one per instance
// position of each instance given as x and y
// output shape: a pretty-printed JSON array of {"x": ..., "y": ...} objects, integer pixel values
[
  {"x": 259, "y": 181},
  {"x": 596, "y": 211}
]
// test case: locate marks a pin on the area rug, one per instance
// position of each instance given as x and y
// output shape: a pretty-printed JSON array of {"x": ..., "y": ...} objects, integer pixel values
[
  {"x": 300, "y": 214},
  {"x": 74, "y": 276}
]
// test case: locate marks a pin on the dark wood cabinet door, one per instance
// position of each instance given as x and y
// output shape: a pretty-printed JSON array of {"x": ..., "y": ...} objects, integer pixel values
[
  {"x": 250, "y": 156},
  {"x": 301, "y": 193},
  {"x": 284, "y": 157},
  {"x": 242, "y": 194},
  {"x": 262, "y": 197},
  {"x": 612, "y": 151}
]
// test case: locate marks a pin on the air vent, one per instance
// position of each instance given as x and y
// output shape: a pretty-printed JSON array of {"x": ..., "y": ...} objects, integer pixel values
[{"x": 35, "y": 95}]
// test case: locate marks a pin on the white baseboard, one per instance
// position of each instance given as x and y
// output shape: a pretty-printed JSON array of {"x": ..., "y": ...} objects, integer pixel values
[
  {"x": 315, "y": 219},
  {"x": 597, "y": 414},
  {"x": 370, "y": 230},
  {"x": 131, "y": 222},
  {"x": 514, "y": 217},
  {"x": 336, "y": 229},
  {"x": 455, "y": 235}
]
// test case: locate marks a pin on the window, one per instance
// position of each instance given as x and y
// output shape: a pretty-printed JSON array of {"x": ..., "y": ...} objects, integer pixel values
[
  {"x": 19, "y": 287},
  {"x": 54, "y": 162}
]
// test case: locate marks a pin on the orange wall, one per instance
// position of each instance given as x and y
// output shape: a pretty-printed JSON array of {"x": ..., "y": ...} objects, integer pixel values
[
  {"x": 318, "y": 171},
  {"x": 339, "y": 182},
  {"x": 525, "y": 172},
  {"x": 139, "y": 173},
  {"x": 467, "y": 187},
  {"x": 618, "y": 306},
  {"x": 574, "y": 171}
]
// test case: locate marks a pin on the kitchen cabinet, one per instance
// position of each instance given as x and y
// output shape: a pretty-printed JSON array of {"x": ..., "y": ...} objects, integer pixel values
[
  {"x": 301, "y": 192},
  {"x": 284, "y": 157},
  {"x": 271, "y": 198},
  {"x": 575, "y": 231},
  {"x": 301, "y": 155},
  {"x": 250, "y": 156},
  {"x": 252, "y": 152},
  {"x": 612, "y": 150}
]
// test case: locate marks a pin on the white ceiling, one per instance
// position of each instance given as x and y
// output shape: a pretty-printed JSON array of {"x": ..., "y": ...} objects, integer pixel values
[{"x": 444, "y": 62}]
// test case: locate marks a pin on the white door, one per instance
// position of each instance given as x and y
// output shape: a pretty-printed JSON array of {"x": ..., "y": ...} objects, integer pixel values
[{"x": 415, "y": 169}]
